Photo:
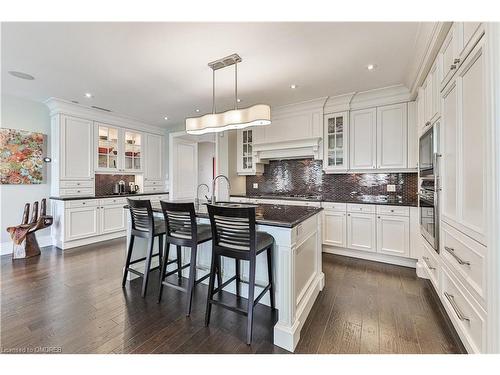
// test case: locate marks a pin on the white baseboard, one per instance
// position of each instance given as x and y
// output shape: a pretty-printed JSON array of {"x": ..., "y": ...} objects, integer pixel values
[
  {"x": 6, "y": 247},
  {"x": 376, "y": 257}
]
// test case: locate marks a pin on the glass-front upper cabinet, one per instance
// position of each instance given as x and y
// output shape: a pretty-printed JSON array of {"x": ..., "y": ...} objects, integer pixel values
[
  {"x": 335, "y": 142},
  {"x": 246, "y": 163},
  {"x": 118, "y": 150},
  {"x": 132, "y": 151},
  {"x": 107, "y": 149}
]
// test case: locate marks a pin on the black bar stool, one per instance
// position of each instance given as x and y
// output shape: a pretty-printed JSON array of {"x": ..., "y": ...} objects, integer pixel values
[
  {"x": 182, "y": 230},
  {"x": 144, "y": 226},
  {"x": 234, "y": 236}
]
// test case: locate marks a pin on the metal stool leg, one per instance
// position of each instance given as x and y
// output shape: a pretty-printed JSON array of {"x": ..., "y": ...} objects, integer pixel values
[
  {"x": 211, "y": 283},
  {"x": 192, "y": 278},
  {"x": 270, "y": 275},
  {"x": 179, "y": 262},
  {"x": 163, "y": 270}
]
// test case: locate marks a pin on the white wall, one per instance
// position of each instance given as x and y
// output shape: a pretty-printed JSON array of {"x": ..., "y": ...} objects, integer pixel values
[
  {"x": 206, "y": 153},
  {"x": 23, "y": 114}
]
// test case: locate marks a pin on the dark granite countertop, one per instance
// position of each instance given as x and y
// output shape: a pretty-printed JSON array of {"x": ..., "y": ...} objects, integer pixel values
[
  {"x": 276, "y": 215},
  {"x": 105, "y": 196},
  {"x": 362, "y": 199}
]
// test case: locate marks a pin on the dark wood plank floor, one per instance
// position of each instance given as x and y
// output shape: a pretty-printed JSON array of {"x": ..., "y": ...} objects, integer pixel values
[{"x": 73, "y": 302}]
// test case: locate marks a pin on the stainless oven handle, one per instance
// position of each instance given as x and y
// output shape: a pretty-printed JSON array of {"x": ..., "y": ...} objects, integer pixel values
[
  {"x": 457, "y": 258},
  {"x": 426, "y": 260},
  {"x": 451, "y": 299}
]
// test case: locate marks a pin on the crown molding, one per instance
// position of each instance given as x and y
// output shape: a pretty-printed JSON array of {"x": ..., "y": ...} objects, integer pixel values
[
  {"x": 433, "y": 44},
  {"x": 60, "y": 106},
  {"x": 308, "y": 106}
]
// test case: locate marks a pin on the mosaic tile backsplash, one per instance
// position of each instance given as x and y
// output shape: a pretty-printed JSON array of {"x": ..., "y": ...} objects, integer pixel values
[
  {"x": 306, "y": 177},
  {"x": 104, "y": 183}
]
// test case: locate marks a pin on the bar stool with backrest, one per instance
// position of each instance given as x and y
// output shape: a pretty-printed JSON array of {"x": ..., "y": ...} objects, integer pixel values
[
  {"x": 145, "y": 226},
  {"x": 183, "y": 230},
  {"x": 234, "y": 236}
]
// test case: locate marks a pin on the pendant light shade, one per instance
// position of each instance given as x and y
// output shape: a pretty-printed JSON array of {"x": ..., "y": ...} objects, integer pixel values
[{"x": 256, "y": 115}]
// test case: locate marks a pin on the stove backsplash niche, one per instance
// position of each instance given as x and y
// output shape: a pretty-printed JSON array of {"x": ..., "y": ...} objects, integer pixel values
[
  {"x": 104, "y": 183},
  {"x": 306, "y": 177}
]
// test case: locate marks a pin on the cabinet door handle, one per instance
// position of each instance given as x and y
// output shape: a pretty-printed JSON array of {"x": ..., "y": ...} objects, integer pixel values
[
  {"x": 453, "y": 67},
  {"x": 457, "y": 258},
  {"x": 426, "y": 260},
  {"x": 451, "y": 299},
  {"x": 456, "y": 61}
]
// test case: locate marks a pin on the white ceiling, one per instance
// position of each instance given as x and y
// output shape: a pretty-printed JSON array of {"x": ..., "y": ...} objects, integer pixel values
[{"x": 149, "y": 70}]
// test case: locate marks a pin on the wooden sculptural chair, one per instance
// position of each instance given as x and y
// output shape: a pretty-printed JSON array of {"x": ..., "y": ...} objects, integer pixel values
[{"x": 23, "y": 235}]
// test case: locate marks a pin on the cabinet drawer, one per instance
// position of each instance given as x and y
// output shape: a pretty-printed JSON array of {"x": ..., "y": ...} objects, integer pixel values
[
  {"x": 365, "y": 208},
  {"x": 431, "y": 263},
  {"x": 76, "y": 184},
  {"x": 334, "y": 206},
  {"x": 111, "y": 201},
  {"x": 153, "y": 182},
  {"x": 82, "y": 203},
  {"x": 76, "y": 192},
  {"x": 154, "y": 189},
  {"x": 466, "y": 258},
  {"x": 467, "y": 317},
  {"x": 393, "y": 210}
]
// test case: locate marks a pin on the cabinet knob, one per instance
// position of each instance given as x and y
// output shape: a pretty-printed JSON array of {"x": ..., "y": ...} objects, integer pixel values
[
  {"x": 78, "y": 183},
  {"x": 453, "y": 66},
  {"x": 78, "y": 191},
  {"x": 83, "y": 203},
  {"x": 378, "y": 217}
]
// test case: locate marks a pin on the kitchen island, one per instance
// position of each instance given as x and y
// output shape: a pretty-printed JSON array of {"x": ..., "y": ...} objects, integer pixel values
[{"x": 296, "y": 263}]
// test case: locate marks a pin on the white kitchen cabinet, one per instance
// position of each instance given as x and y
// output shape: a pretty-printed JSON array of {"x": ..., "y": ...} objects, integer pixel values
[
  {"x": 334, "y": 228},
  {"x": 449, "y": 164},
  {"x": 153, "y": 163},
  {"x": 117, "y": 149},
  {"x": 112, "y": 218},
  {"x": 246, "y": 164},
  {"x": 412, "y": 136},
  {"x": 460, "y": 40},
  {"x": 75, "y": 155},
  {"x": 81, "y": 222},
  {"x": 435, "y": 82},
  {"x": 427, "y": 87},
  {"x": 420, "y": 102},
  {"x": 363, "y": 139},
  {"x": 393, "y": 236},
  {"x": 464, "y": 149},
  {"x": 392, "y": 136},
  {"x": 335, "y": 142},
  {"x": 361, "y": 231}
]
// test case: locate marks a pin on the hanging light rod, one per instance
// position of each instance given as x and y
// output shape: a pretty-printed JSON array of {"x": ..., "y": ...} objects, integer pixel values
[{"x": 256, "y": 115}]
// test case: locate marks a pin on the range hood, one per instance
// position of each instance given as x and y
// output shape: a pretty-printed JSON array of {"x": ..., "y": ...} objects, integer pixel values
[{"x": 290, "y": 149}]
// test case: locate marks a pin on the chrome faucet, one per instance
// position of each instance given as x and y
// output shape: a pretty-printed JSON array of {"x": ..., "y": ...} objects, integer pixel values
[
  {"x": 213, "y": 186},
  {"x": 198, "y": 193}
]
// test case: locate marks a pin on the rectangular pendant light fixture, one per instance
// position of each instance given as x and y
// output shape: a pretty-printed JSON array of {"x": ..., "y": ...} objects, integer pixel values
[{"x": 256, "y": 115}]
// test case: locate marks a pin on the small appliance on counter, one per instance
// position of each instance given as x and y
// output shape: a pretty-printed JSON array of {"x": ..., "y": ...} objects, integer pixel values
[
  {"x": 133, "y": 188},
  {"x": 119, "y": 187}
]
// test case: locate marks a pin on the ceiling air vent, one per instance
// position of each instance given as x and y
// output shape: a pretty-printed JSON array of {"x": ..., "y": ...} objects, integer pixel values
[{"x": 101, "y": 109}]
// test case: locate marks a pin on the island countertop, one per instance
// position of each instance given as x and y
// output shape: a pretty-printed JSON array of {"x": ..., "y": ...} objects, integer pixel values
[{"x": 265, "y": 214}]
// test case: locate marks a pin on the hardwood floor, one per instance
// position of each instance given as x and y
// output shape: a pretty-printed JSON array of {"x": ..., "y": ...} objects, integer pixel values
[{"x": 72, "y": 302}]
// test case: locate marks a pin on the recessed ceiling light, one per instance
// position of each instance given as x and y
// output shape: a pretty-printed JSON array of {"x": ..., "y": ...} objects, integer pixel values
[
  {"x": 197, "y": 110},
  {"x": 371, "y": 66},
  {"x": 88, "y": 95},
  {"x": 166, "y": 118},
  {"x": 293, "y": 86},
  {"x": 238, "y": 100},
  {"x": 21, "y": 75}
]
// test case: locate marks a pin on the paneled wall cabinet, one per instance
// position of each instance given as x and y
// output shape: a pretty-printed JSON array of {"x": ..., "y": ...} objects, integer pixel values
[
  {"x": 459, "y": 270},
  {"x": 84, "y": 144}
]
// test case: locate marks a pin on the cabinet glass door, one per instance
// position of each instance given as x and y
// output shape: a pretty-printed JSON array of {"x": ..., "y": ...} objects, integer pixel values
[
  {"x": 107, "y": 148},
  {"x": 335, "y": 139},
  {"x": 247, "y": 149},
  {"x": 132, "y": 151}
]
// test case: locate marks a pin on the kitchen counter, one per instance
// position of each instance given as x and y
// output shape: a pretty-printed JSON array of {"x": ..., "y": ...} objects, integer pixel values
[
  {"x": 70, "y": 198},
  {"x": 361, "y": 199},
  {"x": 296, "y": 262},
  {"x": 265, "y": 214}
]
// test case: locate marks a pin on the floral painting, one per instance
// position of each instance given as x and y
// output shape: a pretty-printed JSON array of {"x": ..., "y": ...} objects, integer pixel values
[{"x": 21, "y": 157}]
